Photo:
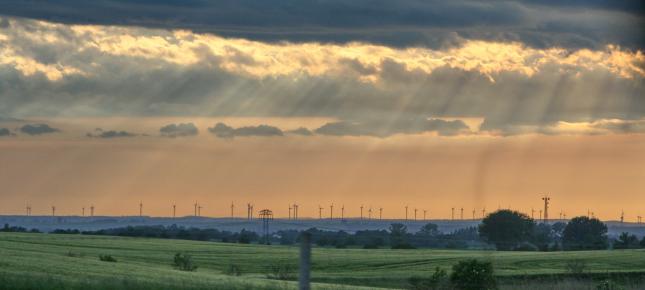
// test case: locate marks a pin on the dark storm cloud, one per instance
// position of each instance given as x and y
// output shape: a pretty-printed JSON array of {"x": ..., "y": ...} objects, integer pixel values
[
  {"x": 222, "y": 130},
  {"x": 110, "y": 134},
  {"x": 433, "y": 23},
  {"x": 5, "y": 132},
  {"x": 37, "y": 129},
  {"x": 385, "y": 128},
  {"x": 179, "y": 130}
]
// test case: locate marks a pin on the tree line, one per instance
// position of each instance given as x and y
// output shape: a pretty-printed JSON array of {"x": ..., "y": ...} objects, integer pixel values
[{"x": 503, "y": 230}]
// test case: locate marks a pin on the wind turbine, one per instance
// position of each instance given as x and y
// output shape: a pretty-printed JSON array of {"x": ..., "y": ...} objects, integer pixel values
[
  {"x": 140, "y": 208},
  {"x": 320, "y": 208},
  {"x": 380, "y": 213},
  {"x": 92, "y": 210},
  {"x": 174, "y": 210},
  {"x": 331, "y": 211},
  {"x": 415, "y": 214},
  {"x": 370, "y": 213},
  {"x": 453, "y": 214},
  {"x": 53, "y": 210},
  {"x": 361, "y": 211},
  {"x": 406, "y": 212}
]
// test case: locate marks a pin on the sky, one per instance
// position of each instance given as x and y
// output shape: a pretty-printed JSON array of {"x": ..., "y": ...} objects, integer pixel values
[{"x": 429, "y": 104}]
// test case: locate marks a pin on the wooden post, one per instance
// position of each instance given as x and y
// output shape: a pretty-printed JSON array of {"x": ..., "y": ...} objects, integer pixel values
[{"x": 305, "y": 261}]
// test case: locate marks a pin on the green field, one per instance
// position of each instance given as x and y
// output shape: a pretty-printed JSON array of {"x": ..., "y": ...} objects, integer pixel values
[{"x": 43, "y": 261}]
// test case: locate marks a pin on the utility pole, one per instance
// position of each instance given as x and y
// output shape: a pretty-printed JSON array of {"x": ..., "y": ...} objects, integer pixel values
[
  {"x": 546, "y": 208},
  {"x": 305, "y": 261}
]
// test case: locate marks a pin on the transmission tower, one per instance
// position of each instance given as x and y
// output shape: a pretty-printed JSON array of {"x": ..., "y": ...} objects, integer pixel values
[
  {"x": 546, "y": 208},
  {"x": 266, "y": 216}
]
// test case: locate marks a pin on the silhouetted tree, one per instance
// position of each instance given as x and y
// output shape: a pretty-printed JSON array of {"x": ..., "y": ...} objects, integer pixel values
[
  {"x": 643, "y": 242},
  {"x": 429, "y": 230},
  {"x": 626, "y": 241},
  {"x": 398, "y": 236},
  {"x": 583, "y": 233},
  {"x": 506, "y": 229}
]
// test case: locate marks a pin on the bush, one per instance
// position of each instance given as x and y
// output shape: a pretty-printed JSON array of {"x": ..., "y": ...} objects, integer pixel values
[
  {"x": 282, "y": 272},
  {"x": 436, "y": 281},
  {"x": 607, "y": 285},
  {"x": 473, "y": 275},
  {"x": 233, "y": 270},
  {"x": 184, "y": 262},
  {"x": 74, "y": 255},
  {"x": 107, "y": 258},
  {"x": 576, "y": 267}
]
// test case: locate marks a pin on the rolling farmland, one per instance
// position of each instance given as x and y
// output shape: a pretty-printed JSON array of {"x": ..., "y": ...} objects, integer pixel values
[{"x": 71, "y": 261}]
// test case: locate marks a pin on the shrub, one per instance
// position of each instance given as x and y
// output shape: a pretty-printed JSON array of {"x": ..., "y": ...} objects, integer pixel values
[
  {"x": 184, "y": 262},
  {"x": 576, "y": 267},
  {"x": 74, "y": 255},
  {"x": 473, "y": 275},
  {"x": 436, "y": 281},
  {"x": 107, "y": 258},
  {"x": 526, "y": 247},
  {"x": 282, "y": 272},
  {"x": 233, "y": 270}
]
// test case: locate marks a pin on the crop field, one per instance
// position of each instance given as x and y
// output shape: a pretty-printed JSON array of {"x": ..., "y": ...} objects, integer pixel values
[{"x": 50, "y": 261}]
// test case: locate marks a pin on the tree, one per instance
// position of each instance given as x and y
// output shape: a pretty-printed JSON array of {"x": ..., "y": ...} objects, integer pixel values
[
  {"x": 643, "y": 242},
  {"x": 398, "y": 236},
  {"x": 473, "y": 275},
  {"x": 583, "y": 233},
  {"x": 506, "y": 229},
  {"x": 429, "y": 230},
  {"x": 626, "y": 241}
]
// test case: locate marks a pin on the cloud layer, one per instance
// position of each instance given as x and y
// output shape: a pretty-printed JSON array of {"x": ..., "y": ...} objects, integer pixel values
[
  {"x": 431, "y": 23},
  {"x": 51, "y": 69}
]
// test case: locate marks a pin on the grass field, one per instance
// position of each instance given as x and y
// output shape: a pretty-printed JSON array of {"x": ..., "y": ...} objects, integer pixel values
[{"x": 43, "y": 261}]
